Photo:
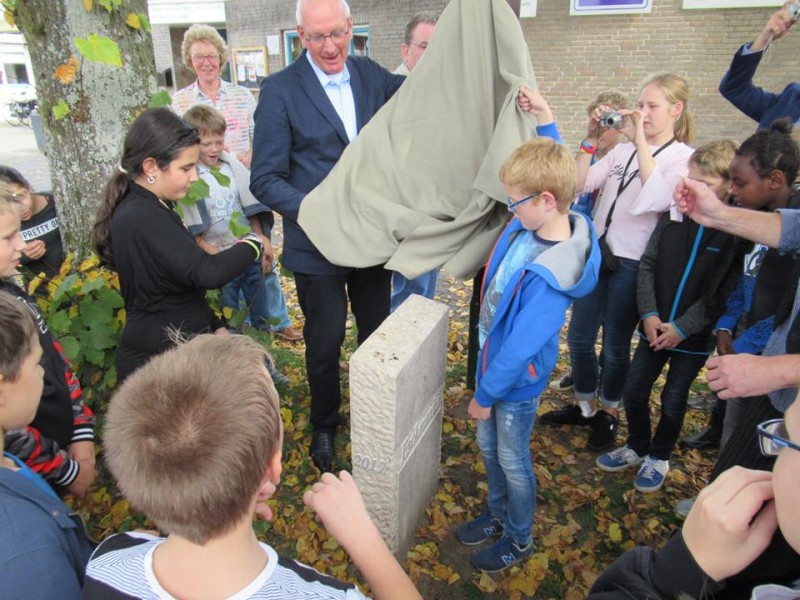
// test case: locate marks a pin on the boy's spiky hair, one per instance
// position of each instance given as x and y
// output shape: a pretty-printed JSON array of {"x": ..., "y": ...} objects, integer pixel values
[
  {"x": 187, "y": 446},
  {"x": 542, "y": 164}
]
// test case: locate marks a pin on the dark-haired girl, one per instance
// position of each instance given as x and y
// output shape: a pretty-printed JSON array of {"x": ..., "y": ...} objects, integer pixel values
[
  {"x": 162, "y": 271},
  {"x": 43, "y": 251}
]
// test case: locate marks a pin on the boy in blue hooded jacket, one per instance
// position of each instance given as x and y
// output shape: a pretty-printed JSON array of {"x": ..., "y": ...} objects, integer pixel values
[{"x": 544, "y": 259}]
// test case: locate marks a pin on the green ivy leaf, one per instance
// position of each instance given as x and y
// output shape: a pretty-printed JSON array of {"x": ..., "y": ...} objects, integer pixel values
[
  {"x": 161, "y": 98},
  {"x": 221, "y": 178},
  {"x": 64, "y": 287},
  {"x": 100, "y": 49},
  {"x": 109, "y": 5},
  {"x": 93, "y": 314},
  {"x": 59, "y": 322},
  {"x": 145, "y": 21},
  {"x": 236, "y": 228},
  {"x": 71, "y": 347},
  {"x": 60, "y": 110},
  {"x": 198, "y": 190}
]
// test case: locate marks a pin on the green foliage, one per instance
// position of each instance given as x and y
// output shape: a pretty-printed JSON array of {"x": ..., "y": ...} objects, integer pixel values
[
  {"x": 161, "y": 98},
  {"x": 236, "y": 227},
  {"x": 99, "y": 49},
  {"x": 109, "y": 5},
  {"x": 85, "y": 311},
  {"x": 197, "y": 191},
  {"x": 60, "y": 110}
]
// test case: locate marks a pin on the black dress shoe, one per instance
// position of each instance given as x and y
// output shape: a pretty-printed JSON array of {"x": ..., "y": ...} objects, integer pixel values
[
  {"x": 322, "y": 450},
  {"x": 707, "y": 438}
]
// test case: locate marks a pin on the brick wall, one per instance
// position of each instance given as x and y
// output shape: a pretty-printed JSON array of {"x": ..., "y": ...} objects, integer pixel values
[{"x": 575, "y": 57}]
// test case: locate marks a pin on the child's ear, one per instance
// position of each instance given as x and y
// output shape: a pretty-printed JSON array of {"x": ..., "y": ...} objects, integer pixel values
[
  {"x": 777, "y": 179},
  {"x": 274, "y": 468},
  {"x": 149, "y": 166},
  {"x": 549, "y": 200}
]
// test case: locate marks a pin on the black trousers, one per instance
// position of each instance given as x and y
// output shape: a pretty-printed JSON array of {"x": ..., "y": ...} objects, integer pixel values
[{"x": 323, "y": 300}]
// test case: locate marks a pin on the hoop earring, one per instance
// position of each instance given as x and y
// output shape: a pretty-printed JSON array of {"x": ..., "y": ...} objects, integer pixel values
[{"x": 151, "y": 179}]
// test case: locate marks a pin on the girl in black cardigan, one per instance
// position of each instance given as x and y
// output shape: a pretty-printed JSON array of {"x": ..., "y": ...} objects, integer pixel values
[{"x": 163, "y": 273}]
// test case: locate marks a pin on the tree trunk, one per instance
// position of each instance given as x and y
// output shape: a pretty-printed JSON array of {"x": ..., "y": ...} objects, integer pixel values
[{"x": 84, "y": 147}]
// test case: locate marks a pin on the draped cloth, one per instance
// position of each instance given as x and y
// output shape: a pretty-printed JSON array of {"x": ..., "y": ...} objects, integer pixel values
[{"x": 419, "y": 188}]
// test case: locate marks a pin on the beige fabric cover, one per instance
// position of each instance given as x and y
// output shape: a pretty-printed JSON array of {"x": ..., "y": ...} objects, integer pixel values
[{"x": 419, "y": 187}]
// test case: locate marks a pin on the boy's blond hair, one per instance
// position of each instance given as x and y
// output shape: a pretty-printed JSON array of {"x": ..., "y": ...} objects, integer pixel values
[
  {"x": 17, "y": 335},
  {"x": 189, "y": 447},
  {"x": 714, "y": 158},
  {"x": 206, "y": 119},
  {"x": 611, "y": 98},
  {"x": 8, "y": 200},
  {"x": 540, "y": 165}
]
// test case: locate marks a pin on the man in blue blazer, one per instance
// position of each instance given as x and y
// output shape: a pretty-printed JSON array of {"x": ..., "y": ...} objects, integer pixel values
[
  {"x": 306, "y": 115},
  {"x": 737, "y": 85}
]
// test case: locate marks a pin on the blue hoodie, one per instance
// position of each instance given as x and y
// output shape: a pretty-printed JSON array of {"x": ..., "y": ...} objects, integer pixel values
[{"x": 521, "y": 349}]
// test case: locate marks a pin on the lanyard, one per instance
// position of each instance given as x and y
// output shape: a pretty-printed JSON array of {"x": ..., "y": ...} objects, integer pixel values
[{"x": 623, "y": 184}]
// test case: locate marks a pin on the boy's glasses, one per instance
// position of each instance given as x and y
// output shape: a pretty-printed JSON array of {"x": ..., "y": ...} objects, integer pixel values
[
  {"x": 201, "y": 58},
  {"x": 773, "y": 437},
  {"x": 318, "y": 39},
  {"x": 514, "y": 204}
]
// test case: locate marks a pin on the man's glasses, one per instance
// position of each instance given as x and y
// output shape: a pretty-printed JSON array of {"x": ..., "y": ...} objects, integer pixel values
[
  {"x": 318, "y": 39},
  {"x": 773, "y": 437},
  {"x": 201, "y": 58},
  {"x": 512, "y": 204}
]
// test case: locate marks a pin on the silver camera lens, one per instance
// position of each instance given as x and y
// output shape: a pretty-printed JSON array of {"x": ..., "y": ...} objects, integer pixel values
[{"x": 611, "y": 119}]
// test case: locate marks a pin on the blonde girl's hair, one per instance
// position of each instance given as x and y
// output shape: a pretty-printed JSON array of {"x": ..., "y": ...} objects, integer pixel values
[{"x": 676, "y": 89}]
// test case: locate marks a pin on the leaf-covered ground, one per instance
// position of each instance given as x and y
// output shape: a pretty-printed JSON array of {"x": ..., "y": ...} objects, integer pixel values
[{"x": 584, "y": 517}]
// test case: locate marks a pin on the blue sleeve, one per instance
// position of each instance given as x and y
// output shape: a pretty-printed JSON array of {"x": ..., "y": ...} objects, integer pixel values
[
  {"x": 272, "y": 148},
  {"x": 551, "y": 131},
  {"x": 754, "y": 339},
  {"x": 790, "y": 230},
  {"x": 737, "y": 86},
  {"x": 734, "y": 307},
  {"x": 540, "y": 320},
  {"x": 45, "y": 573}
]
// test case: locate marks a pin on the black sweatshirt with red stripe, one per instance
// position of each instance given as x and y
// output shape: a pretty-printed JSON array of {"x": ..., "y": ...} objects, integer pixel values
[{"x": 62, "y": 417}]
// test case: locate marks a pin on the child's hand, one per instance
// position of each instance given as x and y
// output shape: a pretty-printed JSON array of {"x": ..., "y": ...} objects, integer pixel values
[
  {"x": 668, "y": 337},
  {"x": 651, "y": 326},
  {"x": 724, "y": 343},
  {"x": 339, "y": 505},
  {"x": 476, "y": 411},
  {"x": 245, "y": 157},
  {"x": 632, "y": 125},
  {"x": 265, "y": 492},
  {"x": 737, "y": 513},
  {"x": 86, "y": 476},
  {"x": 534, "y": 103},
  {"x": 34, "y": 250},
  {"x": 267, "y": 255}
]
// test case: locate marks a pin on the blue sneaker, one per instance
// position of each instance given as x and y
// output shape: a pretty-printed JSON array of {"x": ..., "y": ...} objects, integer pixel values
[
  {"x": 504, "y": 553},
  {"x": 618, "y": 459},
  {"x": 651, "y": 475},
  {"x": 479, "y": 530}
]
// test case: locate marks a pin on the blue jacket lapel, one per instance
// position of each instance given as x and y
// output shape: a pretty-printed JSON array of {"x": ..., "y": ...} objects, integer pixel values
[{"x": 316, "y": 94}]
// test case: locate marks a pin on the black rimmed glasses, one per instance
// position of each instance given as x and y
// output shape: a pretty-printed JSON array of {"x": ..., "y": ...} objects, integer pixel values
[
  {"x": 512, "y": 204},
  {"x": 773, "y": 437},
  {"x": 318, "y": 39}
]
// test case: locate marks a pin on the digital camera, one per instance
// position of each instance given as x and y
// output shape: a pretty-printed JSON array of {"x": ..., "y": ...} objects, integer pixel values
[{"x": 611, "y": 119}]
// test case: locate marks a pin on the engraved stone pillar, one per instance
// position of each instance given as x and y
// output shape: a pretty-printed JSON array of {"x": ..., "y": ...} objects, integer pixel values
[{"x": 396, "y": 390}]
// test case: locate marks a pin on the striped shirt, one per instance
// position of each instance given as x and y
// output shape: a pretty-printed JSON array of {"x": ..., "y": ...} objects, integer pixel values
[
  {"x": 235, "y": 102},
  {"x": 122, "y": 567}
]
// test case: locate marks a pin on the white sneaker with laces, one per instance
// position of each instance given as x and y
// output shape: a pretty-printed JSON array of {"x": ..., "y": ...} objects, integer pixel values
[{"x": 651, "y": 475}]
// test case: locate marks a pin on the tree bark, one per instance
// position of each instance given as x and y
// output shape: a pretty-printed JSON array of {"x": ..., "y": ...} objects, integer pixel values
[{"x": 85, "y": 146}]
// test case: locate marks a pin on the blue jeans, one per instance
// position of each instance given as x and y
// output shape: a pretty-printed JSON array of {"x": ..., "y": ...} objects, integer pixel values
[
  {"x": 611, "y": 305},
  {"x": 402, "y": 288},
  {"x": 263, "y": 297},
  {"x": 505, "y": 442},
  {"x": 646, "y": 367}
]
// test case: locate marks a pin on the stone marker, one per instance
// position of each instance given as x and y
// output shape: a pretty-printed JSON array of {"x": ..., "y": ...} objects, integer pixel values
[{"x": 396, "y": 391}]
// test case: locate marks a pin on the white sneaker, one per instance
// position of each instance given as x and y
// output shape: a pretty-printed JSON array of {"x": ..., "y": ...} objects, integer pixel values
[{"x": 651, "y": 475}]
